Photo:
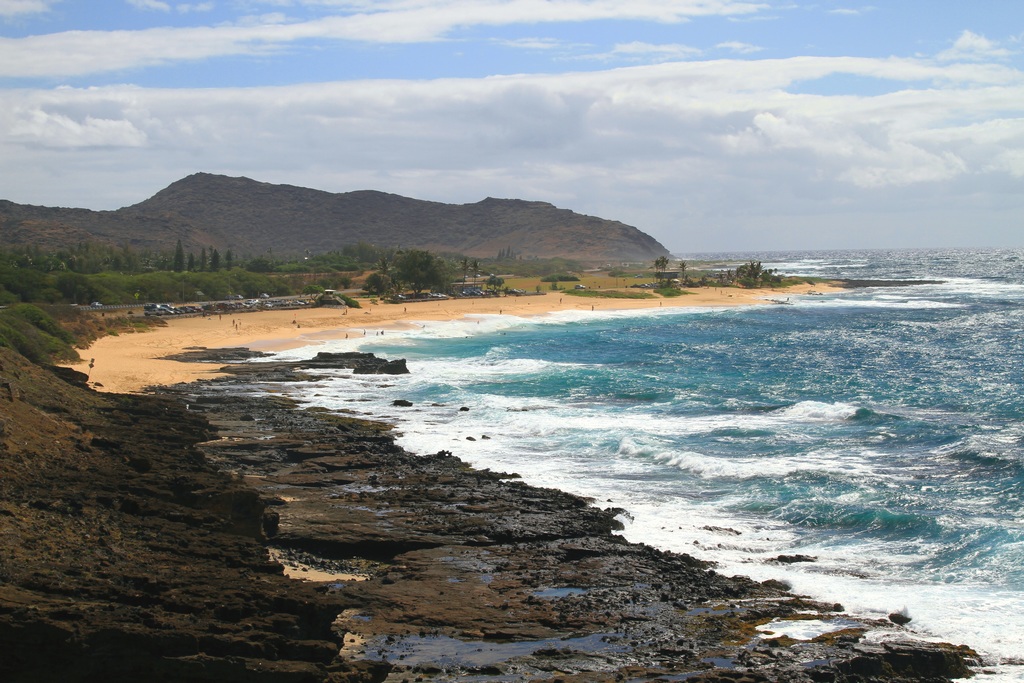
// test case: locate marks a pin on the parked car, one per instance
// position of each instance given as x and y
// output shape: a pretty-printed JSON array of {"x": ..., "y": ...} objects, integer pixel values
[{"x": 159, "y": 309}]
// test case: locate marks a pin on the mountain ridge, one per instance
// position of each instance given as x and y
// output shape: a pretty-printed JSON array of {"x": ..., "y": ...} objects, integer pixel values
[{"x": 253, "y": 217}]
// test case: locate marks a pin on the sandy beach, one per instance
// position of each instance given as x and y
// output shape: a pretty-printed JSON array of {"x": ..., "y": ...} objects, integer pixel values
[{"x": 128, "y": 363}]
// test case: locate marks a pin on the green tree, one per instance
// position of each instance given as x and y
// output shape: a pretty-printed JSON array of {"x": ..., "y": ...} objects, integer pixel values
[
  {"x": 387, "y": 283},
  {"x": 660, "y": 266},
  {"x": 750, "y": 274},
  {"x": 420, "y": 270},
  {"x": 378, "y": 284},
  {"x": 179, "y": 258},
  {"x": 74, "y": 287},
  {"x": 494, "y": 283},
  {"x": 259, "y": 265}
]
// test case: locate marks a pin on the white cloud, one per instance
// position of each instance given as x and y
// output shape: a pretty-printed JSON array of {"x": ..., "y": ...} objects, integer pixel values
[
  {"x": 715, "y": 143},
  {"x": 649, "y": 52},
  {"x": 553, "y": 10},
  {"x": 973, "y": 47},
  {"x": 62, "y": 131},
  {"x": 851, "y": 11},
  {"x": 533, "y": 43},
  {"x": 76, "y": 53},
  {"x": 739, "y": 48},
  {"x": 12, "y": 8},
  {"x": 156, "y": 5},
  {"x": 192, "y": 8}
]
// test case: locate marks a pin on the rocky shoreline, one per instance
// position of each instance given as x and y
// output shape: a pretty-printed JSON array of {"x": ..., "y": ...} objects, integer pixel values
[{"x": 137, "y": 531}]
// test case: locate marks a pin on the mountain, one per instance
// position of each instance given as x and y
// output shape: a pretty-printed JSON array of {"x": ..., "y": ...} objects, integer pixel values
[{"x": 252, "y": 218}]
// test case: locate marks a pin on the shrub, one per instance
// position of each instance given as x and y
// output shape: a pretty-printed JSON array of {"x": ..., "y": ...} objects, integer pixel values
[
  {"x": 34, "y": 334},
  {"x": 42, "y": 320}
]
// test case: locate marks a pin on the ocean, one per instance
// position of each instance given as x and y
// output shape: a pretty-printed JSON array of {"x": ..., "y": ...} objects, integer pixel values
[{"x": 879, "y": 431}]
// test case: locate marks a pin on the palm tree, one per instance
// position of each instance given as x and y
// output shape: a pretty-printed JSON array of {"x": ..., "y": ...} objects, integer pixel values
[
  {"x": 750, "y": 274},
  {"x": 387, "y": 280},
  {"x": 660, "y": 266}
]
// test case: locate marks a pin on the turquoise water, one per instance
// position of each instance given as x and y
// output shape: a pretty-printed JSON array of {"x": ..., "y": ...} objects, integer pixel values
[{"x": 879, "y": 430}]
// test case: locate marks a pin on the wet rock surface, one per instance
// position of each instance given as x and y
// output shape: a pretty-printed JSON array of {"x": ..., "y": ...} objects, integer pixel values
[{"x": 425, "y": 568}]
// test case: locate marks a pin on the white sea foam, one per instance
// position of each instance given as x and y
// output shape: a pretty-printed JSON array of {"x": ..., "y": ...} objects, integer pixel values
[
  {"x": 805, "y": 629},
  {"x": 1004, "y": 444},
  {"x": 813, "y": 266},
  {"x": 818, "y": 411},
  {"x": 852, "y": 575},
  {"x": 979, "y": 288},
  {"x": 882, "y": 302}
]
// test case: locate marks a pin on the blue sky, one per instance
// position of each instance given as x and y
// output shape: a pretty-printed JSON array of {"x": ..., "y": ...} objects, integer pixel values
[{"x": 713, "y": 125}]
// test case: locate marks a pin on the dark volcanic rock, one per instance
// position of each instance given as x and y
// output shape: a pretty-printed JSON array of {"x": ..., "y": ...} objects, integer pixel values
[
  {"x": 793, "y": 559},
  {"x": 459, "y": 560},
  {"x": 899, "y": 618},
  {"x": 129, "y": 554},
  {"x": 288, "y": 371},
  {"x": 225, "y": 355}
]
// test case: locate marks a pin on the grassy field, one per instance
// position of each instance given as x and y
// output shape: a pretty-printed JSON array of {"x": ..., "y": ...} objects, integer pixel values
[
  {"x": 596, "y": 281},
  {"x": 610, "y": 294}
]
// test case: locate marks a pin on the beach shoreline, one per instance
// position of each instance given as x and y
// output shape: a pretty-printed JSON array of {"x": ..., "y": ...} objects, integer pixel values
[
  {"x": 130, "y": 363},
  {"x": 386, "y": 532}
]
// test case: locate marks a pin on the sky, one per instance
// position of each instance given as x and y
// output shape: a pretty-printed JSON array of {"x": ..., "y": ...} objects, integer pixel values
[{"x": 712, "y": 125}]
